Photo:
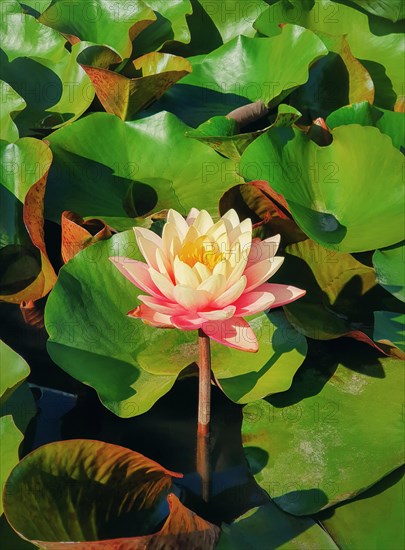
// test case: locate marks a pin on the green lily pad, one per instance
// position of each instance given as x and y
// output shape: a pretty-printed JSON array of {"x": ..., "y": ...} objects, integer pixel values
[
  {"x": 124, "y": 96},
  {"x": 390, "y": 9},
  {"x": 375, "y": 42},
  {"x": 360, "y": 163},
  {"x": 16, "y": 409},
  {"x": 389, "y": 266},
  {"x": 311, "y": 447},
  {"x": 363, "y": 113},
  {"x": 12, "y": 104},
  {"x": 222, "y": 133},
  {"x": 13, "y": 371},
  {"x": 390, "y": 327},
  {"x": 170, "y": 26},
  {"x": 336, "y": 285},
  {"x": 35, "y": 62},
  {"x": 131, "y": 364},
  {"x": 265, "y": 69},
  {"x": 85, "y": 493},
  {"x": 112, "y": 24},
  {"x": 374, "y": 520},
  {"x": 104, "y": 167},
  {"x": 334, "y": 81},
  {"x": 26, "y": 272},
  {"x": 247, "y": 377},
  {"x": 269, "y": 527}
]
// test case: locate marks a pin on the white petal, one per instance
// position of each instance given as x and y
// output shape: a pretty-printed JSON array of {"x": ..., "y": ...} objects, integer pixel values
[
  {"x": 243, "y": 227},
  {"x": 171, "y": 242},
  {"x": 231, "y": 219},
  {"x": 263, "y": 250},
  {"x": 203, "y": 222},
  {"x": 163, "y": 283},
  {"x": 192, "y": 216},
  {"x": 231, "y": 294},
  {"x": 191, "y": 299},
  {"x": 202, "y": 271},
  {"x": 184, "y": 274},
  {"x": 215, "y": 285},
  {"x": 260, "y": 272},
  {"x": 148, "y": 242},
  {"x": 218, "y": 314},
  {"x": 179, "y": 222}
]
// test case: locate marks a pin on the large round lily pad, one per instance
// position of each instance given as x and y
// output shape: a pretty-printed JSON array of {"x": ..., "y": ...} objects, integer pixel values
[
  {"x": 311, "y": 447},
  {"x": 106, "y": 168},
  {"x": 347, "y": 196}
]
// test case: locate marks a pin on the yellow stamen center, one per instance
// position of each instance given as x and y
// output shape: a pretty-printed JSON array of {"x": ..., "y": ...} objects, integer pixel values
[{"x": 202, "y": 251}]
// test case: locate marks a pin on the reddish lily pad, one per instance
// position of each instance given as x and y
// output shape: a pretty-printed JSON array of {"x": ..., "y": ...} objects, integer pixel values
[
  {"x": 26, "y": 164},
  {"x": 100, "y": 496},
  {"x": 78, "y": 233},
  {"x": 124, "y": 96}
]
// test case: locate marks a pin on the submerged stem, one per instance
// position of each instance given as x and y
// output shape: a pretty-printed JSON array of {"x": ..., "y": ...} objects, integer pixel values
[{"x": 204, "y": 413}]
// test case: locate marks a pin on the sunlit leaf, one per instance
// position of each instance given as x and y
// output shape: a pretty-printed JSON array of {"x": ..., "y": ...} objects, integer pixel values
[
  {"x": 89, "y": 494},
  {"x": 311, "y": 447},
  {"x": 107, "y": 168},
  {"x": 360, "y": 163},
  {"x": 113, "y": 24},
  {"x": 11, "y": 103},
  {"x": 27, "y": 273}
]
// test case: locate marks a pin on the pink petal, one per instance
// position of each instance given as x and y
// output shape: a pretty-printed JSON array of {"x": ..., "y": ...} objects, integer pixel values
[
  {"x": 162, "y": 305},
  {"x": 263, "y": 250},
  {"x": 218, "y": 314},
  {"x": 191, "y": 299},
  {"x": 231, "y": 294},
  {"x": 234, "y": 333},
  {"x": 163, "y": 283},
  {"x": 148, "y": 243},
  {"x": 192, "y": 216},
  {"x": 187, "y": 322},
  {"x": 284, "y": 294},
  {"x": 179, "y": 222},
  {"x": 137, "y": 273},
  {"x": 260, "y": 272},
  {"x": 151, "y": 317},
  {"x": 256, "y": 301}
]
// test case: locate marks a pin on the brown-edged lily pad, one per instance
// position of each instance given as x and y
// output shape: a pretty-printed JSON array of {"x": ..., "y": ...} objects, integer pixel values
[{"x": 86, "y": 494}]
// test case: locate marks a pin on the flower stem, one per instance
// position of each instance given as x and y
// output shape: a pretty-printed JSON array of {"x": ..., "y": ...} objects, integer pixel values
[{"x": 204, "y": 413}]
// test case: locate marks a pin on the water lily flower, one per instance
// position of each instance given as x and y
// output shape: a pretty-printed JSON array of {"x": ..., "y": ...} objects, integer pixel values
[{"x": 206, "y": 275}]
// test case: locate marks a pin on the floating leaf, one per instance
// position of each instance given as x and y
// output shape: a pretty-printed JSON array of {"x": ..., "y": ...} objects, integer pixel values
[
  {"x": 16, "y": 409},
  {"x": 269, "y": 527},
  {"x": 375, "y": 42},
  {"x": 390, "y": 9},
  {"x": 358, "y": 523},
  {"x": 389, "y": 328},
  {"x": 131, "y": 364},
  {"x": 101, "y": 496},
  {"x": 336, "y": 80},
  {"x": 124, "y": 96},
  {"x": 255, "y": 69},
  {"x": 222, "y": 133},
  {"x": 360, "y": 163},
  {"x": 170, "y": 25},
  {"x": 113, "y": 24},
  {"x": 35, "y": 62},
  {"x": 312, "y": 446},
  {"x": 363, "y": 113},
  {"x": 78, "y": 234},
  {"x": 389, "y": 266},
  {"x": 27, "y": 273},
  {"x": 13, "y": 371},
  {"x": 12, "y": 103},
  {"x": 245, "y": 378},
  {"x": 107, "y": 168}
]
